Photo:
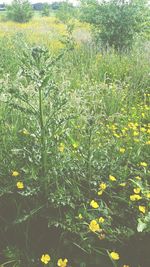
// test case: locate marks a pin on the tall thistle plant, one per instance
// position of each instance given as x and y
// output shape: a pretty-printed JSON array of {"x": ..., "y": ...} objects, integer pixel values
[{"x": 36, "y": 94}]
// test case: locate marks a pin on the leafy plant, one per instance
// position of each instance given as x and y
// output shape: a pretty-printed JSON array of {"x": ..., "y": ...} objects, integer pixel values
[
  {"x": 20, "y": 11},
  {"x": 116, "y": 22}
]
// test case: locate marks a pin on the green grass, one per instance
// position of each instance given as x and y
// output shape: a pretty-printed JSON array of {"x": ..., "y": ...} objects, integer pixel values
[{"x": 63, "y": 122}]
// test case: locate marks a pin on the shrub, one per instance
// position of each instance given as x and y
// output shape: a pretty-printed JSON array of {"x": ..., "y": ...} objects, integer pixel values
[
  {"x": 20, "y": 11},
  {"x": 116, "y": 21},
  {"x": 46, "y": 10}
]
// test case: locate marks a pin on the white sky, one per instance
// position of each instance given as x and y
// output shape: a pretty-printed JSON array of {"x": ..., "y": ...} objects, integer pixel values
[{"x": 40, "y": 1}]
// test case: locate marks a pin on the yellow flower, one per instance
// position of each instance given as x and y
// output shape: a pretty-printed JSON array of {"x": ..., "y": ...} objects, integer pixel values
[
  {"x": 25, "y": 132},
  {"x": 94, "y": 226},
  {"x": 20, "y": 185},
  {"x": 148, "y": 195},
  {"x": 138, "y": 177},
  {"x": 142, "y": 209},
  {"x": 103, "y": 186},
  {"x": 75, "y": 145},
  {"x": 122, "y": 150},
  {"x": 143, "y": 164},
  {"x": 125, "y": 265},
  {"x": 148, "y": 142},
  {"x": 122, "y": 184},
  {"x": 101, "y": 220},
  {"x": 80, "y": 216},
  {"x": 117, "y": 135},
  {"x": 15, "y": 173},
  {"x": 45, "y": 258},
  {"x": 61, "y": 147},
  {"x": 135, "y": 133},
  {"x": 114, "y": 255},
  {"x": 94, "y": 204},
  {"x": 112, "y": 178},
  {"x": 100, "y": 192},
  {"x": 135, "y": 197},
  {"x": 62, "y": 263},
  {"x": 137, "y": 190}
]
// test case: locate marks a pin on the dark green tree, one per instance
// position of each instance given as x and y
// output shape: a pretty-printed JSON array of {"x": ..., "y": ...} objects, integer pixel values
[
  {"x": 46, "y": 10},
  {"x": 20, "y": 11},
  {"x": 116, "y": 22}
]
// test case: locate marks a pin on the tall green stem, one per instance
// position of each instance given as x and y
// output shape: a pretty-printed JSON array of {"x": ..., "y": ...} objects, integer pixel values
[{"x": 42, "y": 133}]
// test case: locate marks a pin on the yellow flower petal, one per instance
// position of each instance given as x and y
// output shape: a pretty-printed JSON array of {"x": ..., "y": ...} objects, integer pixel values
[
  {"x": 135, "y": 197},
  {"x": 20, "y": 185},
  {"x": 15, "y": 173},
  {"x": 94, "y": 204},
  {"x": 112, "y": 178},
  {"x": 137, "y": 190},
  {"x": 142, "y": 209},
  {"x": 114, "y": 255},
  {"x": 94, "y": 226},
  {"x": 45, "y": 258}
]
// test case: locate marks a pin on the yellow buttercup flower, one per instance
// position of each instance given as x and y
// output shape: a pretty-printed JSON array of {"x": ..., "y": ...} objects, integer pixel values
[
  {"x": 137, "y": 190},
  {"x": 142, "y": 209},
  {"x": 122, "y": 150},
  {"x": 125, "y": 265},
  {"x": 138, "y": 177},
  {"x": 135, "y": 197},
  {"x": 45, "y": 258},
  {"x": 122, "y": 184},
  {"x": 80, "y": 216},
  {"x": 75, "y": 145},
  {"x": 94, "y": 204},
  {"x": 15, "y": 173},
  {"x": 101, "y": 220},
  {"x": 20, "y": 185},
  {"x": 61, "y": 147},
  {"x": 112, "y": 178},
  {"x": 114, "y": 255},
  {"x": 135, "y": 133},
  {"x": 148, "y": 195},
  {"x": 143, "y": 164},
  {"x": 94, "y": 226},
  {"x": 103, "y": 186},
  {"x": 100, "y": 192},
  {"x": 62, "y": 263}
]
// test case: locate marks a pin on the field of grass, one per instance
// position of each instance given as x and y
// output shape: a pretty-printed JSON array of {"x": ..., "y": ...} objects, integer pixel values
[{"x": 75, "y": 142}]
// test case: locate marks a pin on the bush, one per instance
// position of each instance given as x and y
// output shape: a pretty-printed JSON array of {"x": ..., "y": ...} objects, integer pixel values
[
  {"x": 116, "y": 22},
  {"x": 46, "y": 10},
  {"x": 20, "y": 11}
]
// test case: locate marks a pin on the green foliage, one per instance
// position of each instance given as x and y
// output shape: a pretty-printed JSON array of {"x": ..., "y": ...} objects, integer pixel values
[
  {"x": 65, "y": 12},
  {"x": 116, "y": 22},
  {"x": 63, "y": 134},
  {"x": 20, "y": 11},
  {"x": 45, "y": 10}
]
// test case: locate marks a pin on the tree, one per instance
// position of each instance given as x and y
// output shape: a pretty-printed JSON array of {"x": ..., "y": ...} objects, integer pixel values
[
  {"x": 46, "y": 10},
  {"x": 116, "y": 22},
  {"x": 20, "y": 11},
  {"x": 65, "y": 12}
]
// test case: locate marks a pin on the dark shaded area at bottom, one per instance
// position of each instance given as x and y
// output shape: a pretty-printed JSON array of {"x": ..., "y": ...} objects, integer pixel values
[{"x": 41, "y": 239}]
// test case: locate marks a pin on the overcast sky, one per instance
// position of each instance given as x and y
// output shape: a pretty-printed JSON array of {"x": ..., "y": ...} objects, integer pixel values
[{"x": 36, "y": 1}]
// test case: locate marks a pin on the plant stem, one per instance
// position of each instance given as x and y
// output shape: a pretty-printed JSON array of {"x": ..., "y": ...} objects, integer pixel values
[{"x": 42, "y": 133}]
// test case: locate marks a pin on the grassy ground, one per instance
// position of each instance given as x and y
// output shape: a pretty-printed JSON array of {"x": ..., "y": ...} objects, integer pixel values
[{"x": 74, "y": 158}]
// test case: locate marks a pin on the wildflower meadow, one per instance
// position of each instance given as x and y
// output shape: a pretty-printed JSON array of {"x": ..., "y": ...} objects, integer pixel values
[{"x": 74, "y": 143}]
